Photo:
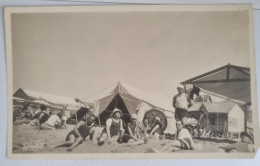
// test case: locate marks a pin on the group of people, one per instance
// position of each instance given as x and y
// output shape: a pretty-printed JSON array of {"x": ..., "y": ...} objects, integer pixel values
[
  {"x": 114, "y": 132},
  {"x": 46, "y": 120},
  {"x": 134, "y": 133}
]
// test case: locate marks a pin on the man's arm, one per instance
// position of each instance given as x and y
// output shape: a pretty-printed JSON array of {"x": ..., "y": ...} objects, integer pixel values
[
  {"x": 174, "y": 101},
  {"x": 108, "y": 125},
  {"x": 75, "y": 130},
  {"x": 189, "y": 100}
]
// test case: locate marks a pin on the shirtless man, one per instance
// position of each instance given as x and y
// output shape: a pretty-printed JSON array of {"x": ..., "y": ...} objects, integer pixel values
[{"x": 80, "y": 132}]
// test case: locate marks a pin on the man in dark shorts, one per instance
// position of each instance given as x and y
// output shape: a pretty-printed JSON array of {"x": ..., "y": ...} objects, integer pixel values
[
  {"x": 80, "y": 132},
  {"x": 183, "y": 141},
  {"x": 181, "y": 102}
]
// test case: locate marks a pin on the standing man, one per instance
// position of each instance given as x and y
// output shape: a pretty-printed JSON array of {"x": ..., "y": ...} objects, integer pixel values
[{"x": 181, "y": 102}]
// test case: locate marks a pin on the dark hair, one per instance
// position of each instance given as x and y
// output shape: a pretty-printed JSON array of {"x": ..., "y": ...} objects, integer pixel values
[
  {"x": 59, "y": 115},
  {"x": 43, "y": 107},
  {"x": 145, "y": 119}
]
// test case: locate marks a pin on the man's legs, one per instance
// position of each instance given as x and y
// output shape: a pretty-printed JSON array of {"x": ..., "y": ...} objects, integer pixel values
[
  {"x": 171, "y": 146},
  {"x": 70, "y": 141},
  {"x": 156, "y": 135},
  {"x": 184, "y": 121},
  {"x": 78, "y": 141},
  {"x": 121, "y": 134},
  {"x": 102, "y": 139}
]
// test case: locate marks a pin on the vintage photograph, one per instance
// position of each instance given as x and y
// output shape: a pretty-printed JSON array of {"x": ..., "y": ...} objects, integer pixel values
[{"x": 121, "y": 81}]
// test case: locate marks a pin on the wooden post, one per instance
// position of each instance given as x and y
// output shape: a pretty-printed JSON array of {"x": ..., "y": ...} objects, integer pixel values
[{"x": 245, "y": 114}]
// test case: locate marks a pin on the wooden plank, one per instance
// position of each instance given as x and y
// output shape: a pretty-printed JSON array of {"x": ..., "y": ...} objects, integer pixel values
[{"x": 224, "y": 80}]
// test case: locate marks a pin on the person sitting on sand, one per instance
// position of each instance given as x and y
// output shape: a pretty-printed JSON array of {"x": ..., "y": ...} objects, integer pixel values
[
  {"x": 246, "y": 145},
  {"x": 183, "y": 141},
  {"x": 113, "y": 132},
  {"x": 52, "y": 122},
  {"x": 40, "y": 118},
  {"x": 156, "y": 129},
  {"x": 81, "y": 131},
  {"x": 131, "y": 137},
  {"x": 143, "y": 128}
]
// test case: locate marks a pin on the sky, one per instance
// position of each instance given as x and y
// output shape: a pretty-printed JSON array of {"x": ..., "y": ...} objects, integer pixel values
[{"x": 77, "y": 54}]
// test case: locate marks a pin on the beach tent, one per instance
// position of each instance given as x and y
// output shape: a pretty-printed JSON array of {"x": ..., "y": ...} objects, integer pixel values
[
  {"x": 229, "y": 82},
  {"x": 40, "y": 102},
  {"x": 54, "y": 100},
  {"x": 222, "y": 116},
  {"x": 131, "y": 100}
]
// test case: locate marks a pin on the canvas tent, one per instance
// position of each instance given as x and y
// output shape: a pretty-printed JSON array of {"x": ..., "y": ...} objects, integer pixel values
[
  {"x": 131, "y": 100},
  {"x": 222, "y": 116},
  {"x": 54, "y": 100}
]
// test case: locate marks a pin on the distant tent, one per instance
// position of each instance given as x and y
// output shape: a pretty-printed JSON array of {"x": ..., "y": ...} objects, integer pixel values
[
  {"x": 131, "y": 100},
  {"x": 40, "y": 102},
  {"x": 221, "y": 116},
  {"x": 53, "y": 100},
  {"x": 232, "y": 82}
]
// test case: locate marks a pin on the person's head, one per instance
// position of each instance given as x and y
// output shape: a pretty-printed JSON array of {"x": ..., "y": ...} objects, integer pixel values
[
  {"x": 145, "y": 121},
  {"x": 180, "y": 89},
  {"x": 133, "y": 118},
  {"x": 91, "y": 119},
  {"x": 59, "y": 115},
  {"x": 247, "y": 138},
  {"x": 43, "y": 107},
  {"x": 117, "y": 113},
  {"x": 179, "y": 125},
  {"x": 157, "y": 119}
]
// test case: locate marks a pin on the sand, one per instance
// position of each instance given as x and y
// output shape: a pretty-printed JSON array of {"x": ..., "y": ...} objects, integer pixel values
[{"x": 29, "y": 139}]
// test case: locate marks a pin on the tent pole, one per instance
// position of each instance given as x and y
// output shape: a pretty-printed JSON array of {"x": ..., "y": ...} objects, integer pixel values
[{"x": 245, "y": 124}]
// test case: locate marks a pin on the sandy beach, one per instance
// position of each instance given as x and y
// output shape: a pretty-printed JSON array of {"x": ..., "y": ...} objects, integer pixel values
[{"x": 29, "y": 139}]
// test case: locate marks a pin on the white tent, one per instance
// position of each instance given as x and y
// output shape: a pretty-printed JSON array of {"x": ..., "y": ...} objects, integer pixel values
[
  {"x": 132, "y": 100},
  {"x": 50, "y": 98}
]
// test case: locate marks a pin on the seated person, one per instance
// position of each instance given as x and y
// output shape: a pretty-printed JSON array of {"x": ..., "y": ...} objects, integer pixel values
[
  {"x": 81, "y": 131},
  {"x": 183, "y": 141},
  {"x": 40, "y": 118},
  {"x": 156, "y": 129},
  {"x": 131, "y": 137},
  {"x": 246, "y": 144},
  {"x": 113, "y": 131},
  {"x": 52, "y": 122},
  {"x": 142, "y": 130}
]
